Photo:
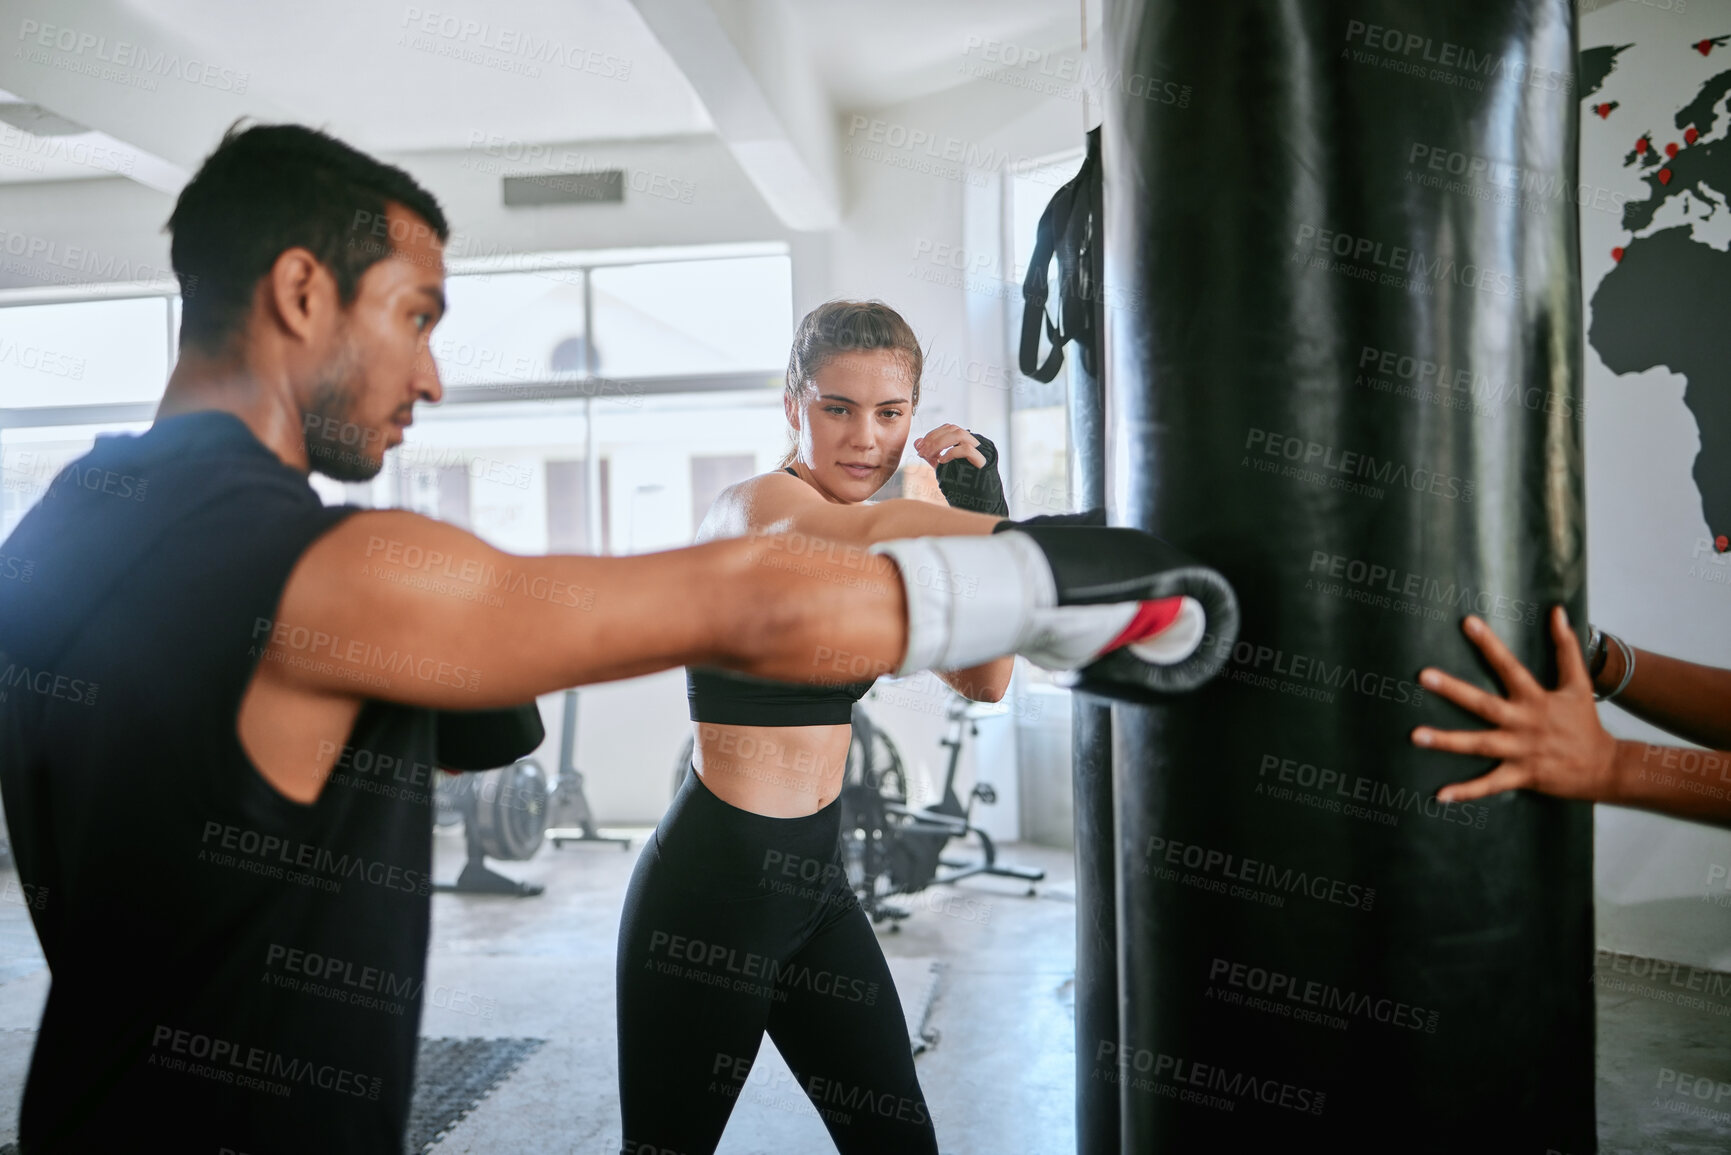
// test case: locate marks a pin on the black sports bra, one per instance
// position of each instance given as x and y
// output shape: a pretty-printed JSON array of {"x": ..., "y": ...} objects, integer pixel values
[{"x": 737, "y": 700}]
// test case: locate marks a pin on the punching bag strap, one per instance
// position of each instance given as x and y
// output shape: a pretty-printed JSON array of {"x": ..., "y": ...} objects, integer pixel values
[
  {"x": 1034, "y": 296},
  {"x": 1068, "y": 231}
]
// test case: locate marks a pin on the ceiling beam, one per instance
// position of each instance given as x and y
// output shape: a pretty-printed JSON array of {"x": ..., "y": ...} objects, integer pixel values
[
  {"x": 102, "y": 64},
  {"x": 801, "y": 189}
]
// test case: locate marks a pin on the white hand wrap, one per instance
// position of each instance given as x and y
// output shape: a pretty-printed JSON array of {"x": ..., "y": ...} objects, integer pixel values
[
  {"x": 1069, "y": 637},
  {"x": 1178, "y": 640},
  {"x": 970, "y": 599}
]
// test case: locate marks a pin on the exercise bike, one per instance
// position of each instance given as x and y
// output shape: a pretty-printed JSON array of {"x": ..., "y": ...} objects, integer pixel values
[{"x": 900, "y": 847}]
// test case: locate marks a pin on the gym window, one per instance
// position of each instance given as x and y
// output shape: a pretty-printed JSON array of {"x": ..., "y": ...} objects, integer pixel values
[{"x": 588, "y": 396}]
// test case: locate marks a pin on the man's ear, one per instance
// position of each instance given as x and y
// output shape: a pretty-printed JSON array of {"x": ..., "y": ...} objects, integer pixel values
[{"x": 298, "y": 290}]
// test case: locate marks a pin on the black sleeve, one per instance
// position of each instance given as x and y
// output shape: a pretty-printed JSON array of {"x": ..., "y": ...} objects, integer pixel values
[
  {"x": 487, "y": 739},
  {"x": 1095, "y": 516},
  {"x": 970, "y": 487}
]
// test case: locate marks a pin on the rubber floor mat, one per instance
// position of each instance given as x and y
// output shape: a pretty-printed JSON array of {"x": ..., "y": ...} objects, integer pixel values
[{"x": 452, "y": 1076}]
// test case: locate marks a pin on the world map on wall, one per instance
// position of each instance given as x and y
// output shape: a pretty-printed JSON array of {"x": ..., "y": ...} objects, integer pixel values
[{"x": 1667, "y": 300}]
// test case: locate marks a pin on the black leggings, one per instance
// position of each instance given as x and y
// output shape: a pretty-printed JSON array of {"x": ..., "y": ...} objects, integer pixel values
[{"x": 734, "y": 924}]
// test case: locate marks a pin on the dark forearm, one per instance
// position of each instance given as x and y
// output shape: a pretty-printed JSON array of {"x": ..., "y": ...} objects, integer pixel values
[
  {"x": 1682, "y": 698},
  {"x": 1693, "y": 784}
]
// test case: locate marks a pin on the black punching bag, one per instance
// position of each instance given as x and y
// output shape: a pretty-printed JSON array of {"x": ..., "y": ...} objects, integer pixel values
[
  {"x": 1344, "y": 362},
  {"x": 1091, "y": 747}
]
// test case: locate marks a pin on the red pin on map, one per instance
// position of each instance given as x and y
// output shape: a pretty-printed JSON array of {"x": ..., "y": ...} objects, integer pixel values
[
  {"x": 1604, "y": 111},
  {"x": 1704, "y": 47},
  {"x": 1641, "y": 145},
  {"x": 1617, "y": 253},
  {"x": 1691, "y": 136},
  {"x": 1671, "y": 149},
  {"x": 1722, "y": 543},
  {"x": 1664, "y": 176}
]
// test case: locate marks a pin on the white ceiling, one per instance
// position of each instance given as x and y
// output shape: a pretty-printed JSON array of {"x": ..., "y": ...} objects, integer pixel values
[
  {"x": 873, "y": 53},
  {"x": 446, "y": 75},
  {"x": 369, "y": 72},
  {"x": 25, "y": 156},
  {"x": 364, "y": 66},
  {"x": 71, "y": 152}
]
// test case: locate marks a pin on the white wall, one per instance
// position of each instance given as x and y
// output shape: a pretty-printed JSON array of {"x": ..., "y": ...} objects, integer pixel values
[{"x": 1644, "y": 519}]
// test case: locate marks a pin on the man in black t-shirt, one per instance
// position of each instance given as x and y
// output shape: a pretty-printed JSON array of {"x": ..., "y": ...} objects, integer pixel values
[{"x": 253, "y": 959}]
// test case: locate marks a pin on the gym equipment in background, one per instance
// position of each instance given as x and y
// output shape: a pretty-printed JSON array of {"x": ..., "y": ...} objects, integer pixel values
[
  {"x": 900, "y": 847},
  {"x": 1324, "y": 360},
  {"x": 509, "y": 811},
  {"x": 569, "y": 818},
  {"x": 501, "y": 799},
  {"x": 504, "y": 815}
]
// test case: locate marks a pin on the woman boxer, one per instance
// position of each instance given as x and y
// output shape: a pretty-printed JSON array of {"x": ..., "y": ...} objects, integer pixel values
[{"x": 739, "y": 918}]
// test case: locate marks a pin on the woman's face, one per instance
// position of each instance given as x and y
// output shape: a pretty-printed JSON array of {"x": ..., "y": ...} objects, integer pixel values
[{"x": 853, "y": 420}]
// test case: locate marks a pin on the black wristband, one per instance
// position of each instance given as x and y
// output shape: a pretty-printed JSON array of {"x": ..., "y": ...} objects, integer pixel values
[
  {"x": 1095, "y": 516},
  {"x": 974, "y": 488}
]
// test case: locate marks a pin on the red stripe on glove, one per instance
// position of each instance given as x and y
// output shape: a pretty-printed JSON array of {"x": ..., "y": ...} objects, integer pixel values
[{"x": 1151, "y": 618}]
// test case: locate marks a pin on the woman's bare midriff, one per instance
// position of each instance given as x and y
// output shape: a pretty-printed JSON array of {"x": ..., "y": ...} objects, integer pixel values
[{"x": 776, "y": 771}]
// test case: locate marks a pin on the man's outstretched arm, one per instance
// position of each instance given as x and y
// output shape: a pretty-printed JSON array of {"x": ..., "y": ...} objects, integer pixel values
[{"x": 400, "y": 607}]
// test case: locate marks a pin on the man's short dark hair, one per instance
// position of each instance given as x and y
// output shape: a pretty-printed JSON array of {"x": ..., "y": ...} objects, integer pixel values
[{"x": 275, "y": 187}]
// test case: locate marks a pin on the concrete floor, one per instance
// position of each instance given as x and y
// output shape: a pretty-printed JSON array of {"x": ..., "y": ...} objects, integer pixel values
[{"x": 999, "y": 1071}]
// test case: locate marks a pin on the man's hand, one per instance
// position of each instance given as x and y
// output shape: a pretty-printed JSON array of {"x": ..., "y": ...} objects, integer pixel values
[
  {"x": 949, "y": 443},
  {"x": 1546, "y": 740}
]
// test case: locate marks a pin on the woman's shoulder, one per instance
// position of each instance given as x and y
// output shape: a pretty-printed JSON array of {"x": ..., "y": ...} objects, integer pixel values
[
  {"x": 752, "y": 503},
  {"x": 778, "y": 482}
]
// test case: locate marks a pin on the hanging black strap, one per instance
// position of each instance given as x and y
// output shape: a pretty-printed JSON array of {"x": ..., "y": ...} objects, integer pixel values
[
  {"x": 1068, "y": 231},
  {"x": 1034, "y": 295}
]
